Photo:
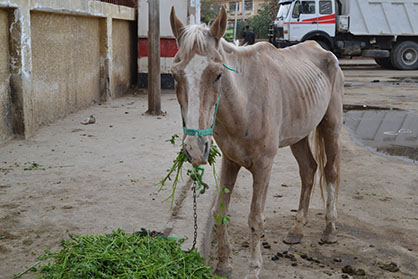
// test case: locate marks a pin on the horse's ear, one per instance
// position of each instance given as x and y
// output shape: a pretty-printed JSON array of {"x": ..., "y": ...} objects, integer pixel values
[
  {"x": 219, "y": 26},
  {"x": 176, "y": 24}
]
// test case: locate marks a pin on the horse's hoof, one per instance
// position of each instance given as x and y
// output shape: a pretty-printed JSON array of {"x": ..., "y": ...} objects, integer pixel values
[
  {"x": 329, "y": 238},
  {"x": 253, "y": 274},
  {"x": 293, "y": 238},
  {"x": 223, "y": 272}
]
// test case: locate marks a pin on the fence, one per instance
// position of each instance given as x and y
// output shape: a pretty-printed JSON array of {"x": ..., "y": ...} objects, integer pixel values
[{"x": 128, "y": 3}]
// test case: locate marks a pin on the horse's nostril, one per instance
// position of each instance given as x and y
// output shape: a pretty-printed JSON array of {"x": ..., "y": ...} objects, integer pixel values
[
  {"x": 187, "y": 155},
  {"x": 206, "y": 151}
]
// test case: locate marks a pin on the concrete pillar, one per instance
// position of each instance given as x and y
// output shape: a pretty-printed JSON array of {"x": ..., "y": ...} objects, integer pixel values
[
  {"x": 107, "y": 56},
  {"x": 20, "y": 71}
]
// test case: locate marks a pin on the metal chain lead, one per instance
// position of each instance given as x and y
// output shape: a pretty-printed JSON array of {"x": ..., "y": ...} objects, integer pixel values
[{"x": 195, "y": 218}]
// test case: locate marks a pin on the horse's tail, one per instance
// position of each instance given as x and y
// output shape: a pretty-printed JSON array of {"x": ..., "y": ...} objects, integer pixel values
[
  {"x": 321, "y": 160},
  {"x": 336, "y": 78}
]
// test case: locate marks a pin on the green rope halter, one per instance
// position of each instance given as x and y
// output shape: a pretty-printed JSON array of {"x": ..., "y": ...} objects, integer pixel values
[{"x": 204, "y": 132}]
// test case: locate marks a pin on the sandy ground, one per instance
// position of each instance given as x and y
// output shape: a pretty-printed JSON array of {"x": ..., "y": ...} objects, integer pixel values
[
  {"x": 91, "y": 179},
  {"x": 378, "y": 202},
  {"x": 96, "y": 178}
]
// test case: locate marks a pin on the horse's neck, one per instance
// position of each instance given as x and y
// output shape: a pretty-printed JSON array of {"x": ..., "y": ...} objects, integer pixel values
[{"x": 232, "y": 108}]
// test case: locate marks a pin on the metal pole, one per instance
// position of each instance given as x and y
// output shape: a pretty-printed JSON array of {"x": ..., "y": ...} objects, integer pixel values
[
  {"x": 235, "y": 20},
  {"x": 197, "y": 11},
  {"x": 192, "y": 11},
  {"x": 154, "y": 78},
  {"x": 243, "y": 10}
]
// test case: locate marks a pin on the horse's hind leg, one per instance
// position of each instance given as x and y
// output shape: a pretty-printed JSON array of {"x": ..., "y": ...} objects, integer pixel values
[
  {"x": 229, "y": 174},
  {"x": 330, "y": 128},
  {"x": 331, "y": 175},
  {"x": 307, "y": 168}
]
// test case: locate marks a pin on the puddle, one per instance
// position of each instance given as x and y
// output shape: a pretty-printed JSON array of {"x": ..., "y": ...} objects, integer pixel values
[
  {"x": 406, "y": 79},
  {"x": 387, "y": 131},
  {"x": 405, "y": 82}
]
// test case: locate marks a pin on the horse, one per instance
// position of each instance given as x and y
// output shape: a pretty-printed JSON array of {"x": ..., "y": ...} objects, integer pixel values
[{"x": 253, "y": 100}]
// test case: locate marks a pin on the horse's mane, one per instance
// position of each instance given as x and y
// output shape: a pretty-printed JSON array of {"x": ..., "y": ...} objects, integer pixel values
[{"x": 193, "y": 36}]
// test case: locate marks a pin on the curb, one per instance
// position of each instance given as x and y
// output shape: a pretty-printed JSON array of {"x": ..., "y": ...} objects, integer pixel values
[{"x": 357, "y": 62}]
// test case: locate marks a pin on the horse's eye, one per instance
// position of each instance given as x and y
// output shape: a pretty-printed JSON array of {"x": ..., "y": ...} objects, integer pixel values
[{"x": 218, "y": 77}]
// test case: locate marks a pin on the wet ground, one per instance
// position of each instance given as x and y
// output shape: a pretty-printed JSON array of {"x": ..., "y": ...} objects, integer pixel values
[{"x": 388, "y": 131}]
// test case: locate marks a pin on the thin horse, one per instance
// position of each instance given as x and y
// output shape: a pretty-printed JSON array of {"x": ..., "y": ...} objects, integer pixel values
[{"x": 275, "y": 98}]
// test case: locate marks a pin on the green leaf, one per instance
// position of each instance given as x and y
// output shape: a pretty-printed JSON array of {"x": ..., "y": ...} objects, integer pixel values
[
  {"x": 121, "y": 255},
  {"x": 225, "y": 220}
]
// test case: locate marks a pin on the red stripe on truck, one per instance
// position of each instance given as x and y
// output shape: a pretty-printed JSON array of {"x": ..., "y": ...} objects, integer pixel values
[
  {"x": 327, "y": 17},
  {"x": 311, "y": 22}
]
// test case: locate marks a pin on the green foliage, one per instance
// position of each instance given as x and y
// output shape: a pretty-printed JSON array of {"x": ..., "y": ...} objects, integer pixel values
[
  {"x": 122, "y": 255},
  {"x": 33, "y": 166},
  {"x": 173, "y": 139},
  {"x": 229, "y": 34},
  {"x": 260, "y": 22},
  {"x": 208, "y": 11},
  {"x": 273, "y": 8},
  {"x": 196, "y": 174},
  {"x": 176, "y": 168}
]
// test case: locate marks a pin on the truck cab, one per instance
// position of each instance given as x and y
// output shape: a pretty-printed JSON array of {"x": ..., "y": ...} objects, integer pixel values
[
  {"x": 385, "y": 30},
  {"x": 301, "y": 20}
]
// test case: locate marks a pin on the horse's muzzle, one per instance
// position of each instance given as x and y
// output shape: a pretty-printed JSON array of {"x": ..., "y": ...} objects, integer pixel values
[{"x": 197, "y": 149}]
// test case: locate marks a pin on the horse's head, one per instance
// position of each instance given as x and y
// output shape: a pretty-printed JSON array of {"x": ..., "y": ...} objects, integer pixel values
[{"x": 197, "y": 70}]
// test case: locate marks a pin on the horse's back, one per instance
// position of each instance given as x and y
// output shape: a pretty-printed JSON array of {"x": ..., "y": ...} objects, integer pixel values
[{"x": 307, "y": 75}]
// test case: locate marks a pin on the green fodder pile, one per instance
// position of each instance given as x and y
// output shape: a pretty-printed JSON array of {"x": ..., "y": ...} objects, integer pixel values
[{"x": 122, "y": 255}]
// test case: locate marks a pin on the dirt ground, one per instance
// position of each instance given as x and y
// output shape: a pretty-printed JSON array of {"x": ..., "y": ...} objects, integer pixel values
[
  {"x": 96, "y": 178},
  {"x": 377, "y": 207},
  {"x": 90, "y": 179}
]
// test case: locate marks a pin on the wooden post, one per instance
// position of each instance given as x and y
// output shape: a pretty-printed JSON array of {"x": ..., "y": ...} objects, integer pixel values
[{"x": 154, "y": 78}]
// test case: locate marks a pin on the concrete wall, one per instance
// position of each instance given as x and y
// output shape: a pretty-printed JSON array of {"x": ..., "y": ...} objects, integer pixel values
[
  {"x": 124, "y": 58},
  {"x": 56, "y": 57},
  {"x": 181, "y": 7},
  {"x": 65, "y": 64},
  {"x": 5, "y": 123}
]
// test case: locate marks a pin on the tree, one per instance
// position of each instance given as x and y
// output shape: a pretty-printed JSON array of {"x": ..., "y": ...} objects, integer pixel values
[
  {"x": 260, "y": 22},
  {"x": 274, "y": 8},
  {"x": 208, "y": 11}
]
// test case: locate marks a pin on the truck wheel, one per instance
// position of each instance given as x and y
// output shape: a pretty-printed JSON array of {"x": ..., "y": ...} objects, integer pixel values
[
  {"x": 323, "y": 44},
  {"x": 384, "y": 62},
  {"x": 405, "y": 56}
]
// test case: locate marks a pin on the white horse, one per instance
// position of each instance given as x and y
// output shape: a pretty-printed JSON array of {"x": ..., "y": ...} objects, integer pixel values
[{"x": 274, "y": 98}]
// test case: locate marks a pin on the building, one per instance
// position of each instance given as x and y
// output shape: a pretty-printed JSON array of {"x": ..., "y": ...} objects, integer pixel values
[
  {"x": 251, "y": 8},
  {"x": 57, "y": 57}
]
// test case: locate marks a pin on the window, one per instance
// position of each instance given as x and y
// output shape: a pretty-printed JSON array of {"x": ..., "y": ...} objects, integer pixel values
[
  {"x": 325, "y": 7},
  {"x": 303, "y": 7},
  {"x": 232, "y": 6},
  {"x": 248, "y": 5}
]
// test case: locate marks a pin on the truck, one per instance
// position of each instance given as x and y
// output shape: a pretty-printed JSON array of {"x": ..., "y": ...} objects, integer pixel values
[{"x": 386, "y": 30}]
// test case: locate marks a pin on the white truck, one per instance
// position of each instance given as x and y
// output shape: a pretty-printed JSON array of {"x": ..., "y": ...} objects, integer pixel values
[{"x": 386, "y": 30}]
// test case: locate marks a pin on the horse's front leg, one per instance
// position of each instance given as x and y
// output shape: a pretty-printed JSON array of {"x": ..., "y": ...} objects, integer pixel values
[
  {"x": 229, "y": 174},
  {"x": 261, "y": 177}
]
